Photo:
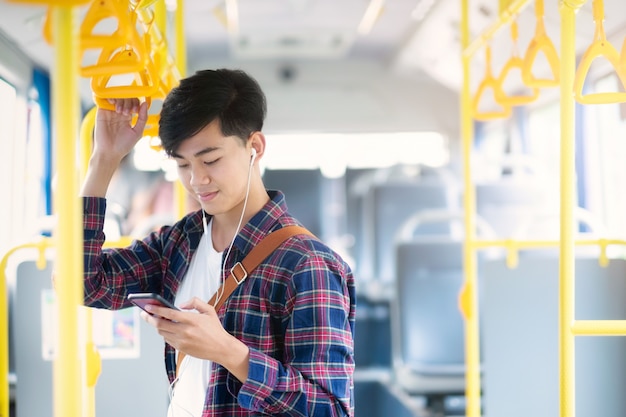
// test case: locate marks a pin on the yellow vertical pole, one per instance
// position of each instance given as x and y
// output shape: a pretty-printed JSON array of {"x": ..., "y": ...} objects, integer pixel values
[
  {"x": 92, "y": 364},
  {"x": 160, "y": 15},
  {"x": 567, "y": 385},
  {"x": 470, "y": 301},
  {"x": 181, "y": 62},
  {"x": 179, "y": 32},
  {"x": 68, "y": 233}
]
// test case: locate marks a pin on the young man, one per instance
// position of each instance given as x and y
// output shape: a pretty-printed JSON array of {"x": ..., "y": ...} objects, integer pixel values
[{"x": 282, "y": 344}]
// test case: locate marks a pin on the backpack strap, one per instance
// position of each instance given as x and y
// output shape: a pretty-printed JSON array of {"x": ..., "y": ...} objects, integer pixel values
[{"x": 240, "y": 271}]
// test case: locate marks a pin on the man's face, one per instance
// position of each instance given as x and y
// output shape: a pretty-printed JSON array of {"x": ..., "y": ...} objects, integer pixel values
[{"x": 214, "y": 169}]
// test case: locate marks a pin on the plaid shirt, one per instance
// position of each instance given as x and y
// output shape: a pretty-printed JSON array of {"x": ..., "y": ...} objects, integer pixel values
[{"x": 295, "y": 311}]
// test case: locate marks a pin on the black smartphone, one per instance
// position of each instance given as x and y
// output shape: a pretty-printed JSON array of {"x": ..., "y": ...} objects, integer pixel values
[{"x": 142, "y": 299}]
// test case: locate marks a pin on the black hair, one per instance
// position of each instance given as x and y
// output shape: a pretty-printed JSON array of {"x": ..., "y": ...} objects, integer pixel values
[{"x": 232, "y": 97}]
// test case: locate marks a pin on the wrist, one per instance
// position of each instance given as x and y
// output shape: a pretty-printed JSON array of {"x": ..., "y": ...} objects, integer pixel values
[
  {"x": 99, "y": 174},
  {"x": 236, "y": 359}
]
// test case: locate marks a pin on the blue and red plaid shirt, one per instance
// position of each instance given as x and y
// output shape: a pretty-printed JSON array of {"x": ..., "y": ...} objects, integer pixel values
[{"x": 295, "y": 311}]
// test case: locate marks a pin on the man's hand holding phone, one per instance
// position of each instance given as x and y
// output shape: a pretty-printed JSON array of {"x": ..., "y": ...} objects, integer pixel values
[{"x": 149, "y": 302}]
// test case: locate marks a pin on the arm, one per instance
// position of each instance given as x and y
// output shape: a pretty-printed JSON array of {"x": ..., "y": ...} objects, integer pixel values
[
  {"x": 315, "y": 375},
  {"x": 111, "y": 273},
  {"x": 114, "y": 138}
]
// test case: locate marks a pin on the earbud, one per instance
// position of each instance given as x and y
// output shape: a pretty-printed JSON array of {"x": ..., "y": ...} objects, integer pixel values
[{"x": 252, "y": 156}]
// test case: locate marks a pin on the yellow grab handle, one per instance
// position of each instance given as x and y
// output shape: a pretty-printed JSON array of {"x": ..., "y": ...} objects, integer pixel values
[
  {"x": 114, "y": 61},
  {"x": 94, "y": 364},
  {"x": 146, "y": 80},
  {"x": 599, "y": 47},
  {"x": 63, "y": 3},
  {"x": 108, "y": 9},
  {"x": 465, "y": 300},
  {"x": 540, "y": 43},
  {"x": 489, "y": 82},
  {"x": 515, "y": 62}
]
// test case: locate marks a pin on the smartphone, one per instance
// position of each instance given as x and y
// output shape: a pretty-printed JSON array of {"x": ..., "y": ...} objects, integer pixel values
[{"x": 142, "y": 299}]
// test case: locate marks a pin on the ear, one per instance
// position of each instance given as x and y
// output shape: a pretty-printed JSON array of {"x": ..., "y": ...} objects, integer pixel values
[{"x": 256, "y": 143}]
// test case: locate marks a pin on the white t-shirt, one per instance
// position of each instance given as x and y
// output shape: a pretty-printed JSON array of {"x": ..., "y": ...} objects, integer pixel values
[{"x": 202, "y": 280}]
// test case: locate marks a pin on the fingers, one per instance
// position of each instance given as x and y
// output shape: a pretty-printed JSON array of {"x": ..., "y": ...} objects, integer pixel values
[
  {"x": 198, "y": 305},
  {"x": 125, "y": 106},
  {"x": 142, "y": 117},
  {"x": 163, "y": 312}
]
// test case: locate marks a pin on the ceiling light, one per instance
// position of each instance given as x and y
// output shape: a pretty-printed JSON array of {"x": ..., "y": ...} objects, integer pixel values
[
  {"x": 421, "y": 9},
  {"x": 232, "y": 16},
  {"x": 372, "y": 13}
]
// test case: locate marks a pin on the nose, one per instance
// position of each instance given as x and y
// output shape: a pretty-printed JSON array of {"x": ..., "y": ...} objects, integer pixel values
[{"x": 198, "y": 176}]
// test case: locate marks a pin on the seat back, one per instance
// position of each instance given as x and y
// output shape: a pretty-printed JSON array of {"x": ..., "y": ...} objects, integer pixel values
[
  {"x": 507, "y": 203},
  {"x": 519, "y": 310},
  {"x": 303, "y": 194},
  {"x": 124, "y": 369},
  {"x": 427, "y": 326}
]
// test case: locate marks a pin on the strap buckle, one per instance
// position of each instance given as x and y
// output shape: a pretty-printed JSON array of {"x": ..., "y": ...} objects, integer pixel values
[{"x": 243, "y": 272}]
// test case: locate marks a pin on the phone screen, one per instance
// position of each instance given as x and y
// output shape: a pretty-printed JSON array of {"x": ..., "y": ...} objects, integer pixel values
[{"x": 142, "y": 299}]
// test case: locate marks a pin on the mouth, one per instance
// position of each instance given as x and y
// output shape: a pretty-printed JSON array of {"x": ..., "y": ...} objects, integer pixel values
[{"x": 205, "y": 197}]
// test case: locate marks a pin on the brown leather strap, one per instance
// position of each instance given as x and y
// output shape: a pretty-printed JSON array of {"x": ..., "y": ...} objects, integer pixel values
[{"x": 241, "y": 270}]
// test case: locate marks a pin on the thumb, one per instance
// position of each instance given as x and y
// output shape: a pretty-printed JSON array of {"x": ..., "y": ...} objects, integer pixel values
[
  {"x": 200, "y": 306},
  {"x": 142, "y": 117}
]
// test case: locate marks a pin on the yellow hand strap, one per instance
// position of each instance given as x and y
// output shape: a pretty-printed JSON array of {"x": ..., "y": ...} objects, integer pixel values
[
  {"x": 514, "y": 62},
  {"x": 599, "y": 47},
  {"x": 540, "y": 43},
  {"x": 489, "y": 82}
]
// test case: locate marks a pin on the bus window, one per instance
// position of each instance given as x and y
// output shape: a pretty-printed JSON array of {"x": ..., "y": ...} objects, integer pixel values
[
  {"x": 606, "y": 180},
  {"x": 543, "y": 141},
  {"x": 8, "y": 99}
]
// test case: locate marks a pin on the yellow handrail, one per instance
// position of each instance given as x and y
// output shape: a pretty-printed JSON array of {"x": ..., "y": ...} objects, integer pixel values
[
  {"x": 600, "y": 47},
  {"x": 540, "y": 43},
  {"x": 41, "y": 245},
  {"x": 515, "y": 7}
]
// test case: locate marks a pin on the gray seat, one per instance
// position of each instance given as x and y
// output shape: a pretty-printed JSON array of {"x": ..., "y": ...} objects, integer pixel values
[
  {"x": 427, "y": 326},
  {"x": 428, "y": 336},
  {"x": 303, "y": 190},
  {"x": 509, "y": 202},
  {"x": 116, "y": 389},
  {"x": 386, "y": 198},
  {"x": 520, "y": 337}
]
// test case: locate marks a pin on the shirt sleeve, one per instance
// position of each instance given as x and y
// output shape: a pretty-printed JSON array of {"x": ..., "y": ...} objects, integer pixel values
[
  {"x": 316, "y": 375},
  {"x": 111, "y": 274}
]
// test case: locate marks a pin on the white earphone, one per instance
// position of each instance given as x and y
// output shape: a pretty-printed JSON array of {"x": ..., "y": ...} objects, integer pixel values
[{"x": 252, "y": 156}]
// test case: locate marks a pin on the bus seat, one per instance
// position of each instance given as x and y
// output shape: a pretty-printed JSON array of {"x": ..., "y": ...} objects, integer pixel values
[
  {"x": 390, "y": 205},
  {"x": 114, "y": 395},
  {"x": 428, "y": 329},
  {"x": 507, "y": 203},
  {"x": 519, "y": 310},
  {"x": 545, "y": 225},
  {"x": 389, "y": 198},
  {"x": 303, "y": 193}
]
